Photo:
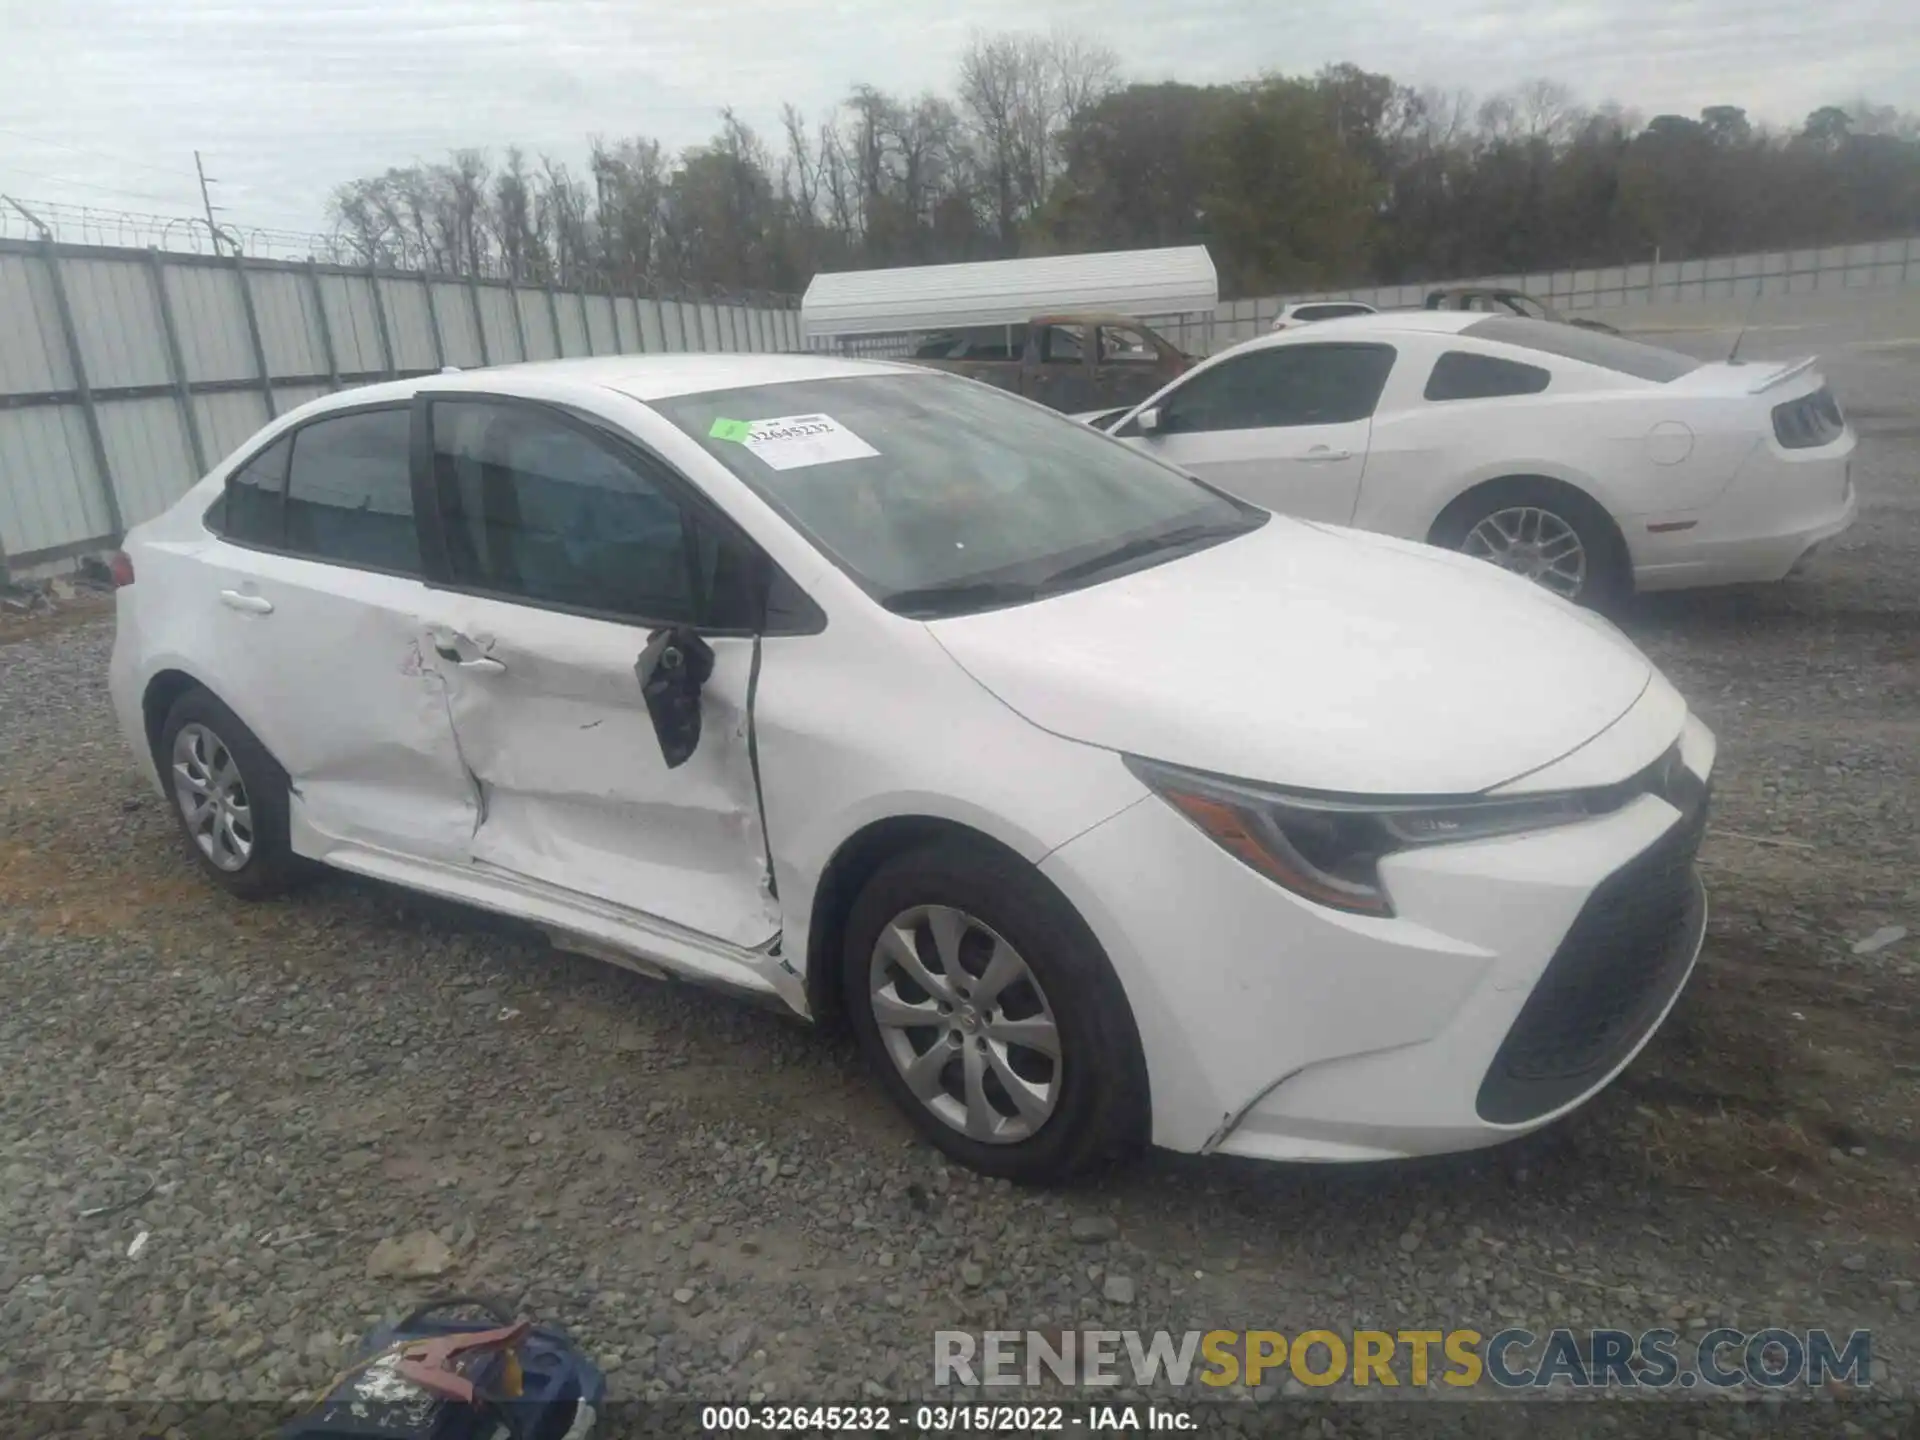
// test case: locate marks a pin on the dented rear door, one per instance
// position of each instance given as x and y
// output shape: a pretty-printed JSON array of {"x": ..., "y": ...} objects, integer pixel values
[{"x": 312, "y": 603}]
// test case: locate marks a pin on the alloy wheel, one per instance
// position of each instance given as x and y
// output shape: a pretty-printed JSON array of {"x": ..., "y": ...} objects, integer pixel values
[
  {"x": 212, "y": 796},
  {"x": 963, "y": 1018},
  {"x": 1532, "y": 542}
]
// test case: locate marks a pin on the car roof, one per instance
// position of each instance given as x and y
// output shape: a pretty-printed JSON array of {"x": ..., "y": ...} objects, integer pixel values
[
  {"x": 641, "y": 377},
  {"x": 1381, "y": 322}
]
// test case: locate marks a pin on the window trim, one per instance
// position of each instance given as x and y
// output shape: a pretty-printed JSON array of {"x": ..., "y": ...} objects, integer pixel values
[
  {"x": 290, "y": 435},
  {"x": 693, "y": 504}
]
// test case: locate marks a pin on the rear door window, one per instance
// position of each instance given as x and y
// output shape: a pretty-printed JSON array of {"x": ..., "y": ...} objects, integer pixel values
[{"x": 350, "y": 492}]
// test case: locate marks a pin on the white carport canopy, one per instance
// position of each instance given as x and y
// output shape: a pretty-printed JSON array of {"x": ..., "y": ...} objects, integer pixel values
[{"x": 1143, "y": 283}]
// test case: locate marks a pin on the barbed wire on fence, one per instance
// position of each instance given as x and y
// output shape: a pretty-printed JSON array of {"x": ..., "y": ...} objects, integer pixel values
[
  {"x": 70, "y": 224},
  {"x": 30, "y": 219}
]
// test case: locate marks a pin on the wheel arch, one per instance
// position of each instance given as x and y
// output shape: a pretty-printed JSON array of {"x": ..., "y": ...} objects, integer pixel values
[
  {"x": 164, "y": 688},
  {"x": 163, "y": 691},
  {"x": 852, "y": 864}
]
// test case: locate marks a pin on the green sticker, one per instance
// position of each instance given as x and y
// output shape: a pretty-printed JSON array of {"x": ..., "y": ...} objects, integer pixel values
[{"x": 735, "y": 430}]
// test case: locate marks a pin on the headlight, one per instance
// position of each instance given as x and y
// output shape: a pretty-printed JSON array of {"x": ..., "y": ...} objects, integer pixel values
[{"x": 1328, "y": 849}]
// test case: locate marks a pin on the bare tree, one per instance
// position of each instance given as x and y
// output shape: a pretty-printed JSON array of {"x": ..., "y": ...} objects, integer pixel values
[{"x": 1546, "y": 110}]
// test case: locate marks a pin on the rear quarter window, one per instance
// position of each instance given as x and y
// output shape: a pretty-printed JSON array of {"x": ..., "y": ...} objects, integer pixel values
[
  {"x": 1462, "y": 375},
  {"x": 248, "y": 510},
  {"x": 1589, "y": 347}
]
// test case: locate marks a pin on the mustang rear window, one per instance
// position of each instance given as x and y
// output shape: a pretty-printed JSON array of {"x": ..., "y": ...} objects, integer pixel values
[{"x": 1589, "y": 347}]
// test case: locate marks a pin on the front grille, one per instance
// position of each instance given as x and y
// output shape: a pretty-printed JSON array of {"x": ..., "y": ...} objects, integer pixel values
[
  {"x": 1808, "y": 421},
  {"x": 1624, "y": 956}
]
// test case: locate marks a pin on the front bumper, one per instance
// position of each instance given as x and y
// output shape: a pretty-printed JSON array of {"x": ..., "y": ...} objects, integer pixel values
[{"x": 1515, "y": 980}]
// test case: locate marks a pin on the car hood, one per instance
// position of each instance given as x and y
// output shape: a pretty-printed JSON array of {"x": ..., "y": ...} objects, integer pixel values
[{"x": 1315, "y": 657}]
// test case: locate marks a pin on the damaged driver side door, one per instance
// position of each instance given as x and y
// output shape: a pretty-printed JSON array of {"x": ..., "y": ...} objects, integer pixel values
[{"x": 568, "y": 557}]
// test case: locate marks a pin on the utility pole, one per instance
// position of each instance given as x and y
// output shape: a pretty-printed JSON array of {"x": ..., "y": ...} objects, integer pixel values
[{"x": 206, "y": 200}]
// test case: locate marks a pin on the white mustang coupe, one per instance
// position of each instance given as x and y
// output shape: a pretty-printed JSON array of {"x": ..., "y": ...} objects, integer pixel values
[{"x": 1592, "y": 464}]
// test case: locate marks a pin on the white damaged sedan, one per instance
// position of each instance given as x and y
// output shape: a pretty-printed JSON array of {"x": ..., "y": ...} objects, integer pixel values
[
  {"x": 1109, "y": 809},
  {"x": 1592, "y": 464}
]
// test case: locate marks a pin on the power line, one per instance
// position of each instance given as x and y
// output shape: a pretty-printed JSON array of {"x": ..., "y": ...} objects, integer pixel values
[
  {"x": 89, "y": 185},
  {"x": 97, "y": 154}
]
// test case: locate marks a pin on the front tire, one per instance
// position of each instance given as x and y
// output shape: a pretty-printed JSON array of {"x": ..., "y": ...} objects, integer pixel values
[
  {"x": 1543, "y": 531},
  {"x": 991, "y": 1016},
  {"x": 229, "y": 798}
]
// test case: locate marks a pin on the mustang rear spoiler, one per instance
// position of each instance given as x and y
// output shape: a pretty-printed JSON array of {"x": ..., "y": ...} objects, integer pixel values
[{"x": 1780, "y": 376}]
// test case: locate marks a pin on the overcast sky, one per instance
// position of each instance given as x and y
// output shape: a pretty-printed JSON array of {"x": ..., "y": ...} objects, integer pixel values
[{"x": 104, "y": 101}]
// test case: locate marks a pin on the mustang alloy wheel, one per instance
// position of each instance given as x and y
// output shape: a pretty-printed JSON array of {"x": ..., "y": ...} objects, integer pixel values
[{"x": 1533, "y": 542}]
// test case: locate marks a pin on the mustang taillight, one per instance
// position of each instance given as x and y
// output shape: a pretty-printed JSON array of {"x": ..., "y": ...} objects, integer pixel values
[{"x": 1809, "y": 421}]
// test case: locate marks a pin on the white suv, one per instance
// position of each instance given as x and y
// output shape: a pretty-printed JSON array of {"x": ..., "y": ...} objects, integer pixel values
[{"x": 1307, "y": 312}]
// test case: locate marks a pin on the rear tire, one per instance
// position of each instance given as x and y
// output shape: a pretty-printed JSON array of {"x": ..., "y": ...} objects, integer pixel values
[
  {"x": 1544, "y": 531},
  {"x": 229, "y": 798},
  {"x": 963, "y": 968}
]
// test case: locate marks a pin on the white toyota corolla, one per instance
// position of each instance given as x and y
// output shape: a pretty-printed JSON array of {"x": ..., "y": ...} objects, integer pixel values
[
  {"x": 1108, "y": 808},
  {"x": 1590, "y": 463}
]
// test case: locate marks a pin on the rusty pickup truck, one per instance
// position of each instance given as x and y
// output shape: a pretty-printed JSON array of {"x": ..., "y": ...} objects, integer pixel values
[{"x": 1072, "y": 362}]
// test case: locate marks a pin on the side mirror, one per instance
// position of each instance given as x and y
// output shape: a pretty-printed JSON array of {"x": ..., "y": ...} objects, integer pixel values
[
  {"x": 671, "y": 671},
  {"x": 1149, "y": 421}
]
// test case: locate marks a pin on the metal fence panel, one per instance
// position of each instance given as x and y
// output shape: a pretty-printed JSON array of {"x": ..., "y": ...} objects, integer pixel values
[
  {"x": 33, "y": 354},
  {"x": 453, "y": 303},
  {"x": 536, "y": 325},
  {"x": 53, "y": 496},
  {"x": 409, "y": 324},
  {"x": 291, "y": 397},
  {"x": 572, "y": 323},
  {"x": 289, "y": 329},
  {"x": 351, "y": 322},
  {"x": 148, "y": 452},
  {"x": 496, "y": 323},
  {"x": 228, "y": 420},
  {"x": 117, "y": 320},
  {"x": 673, "y": 330},
  {"x": 601, "y": 334},
  {"x": 212, "y": 321},
  {"x": 653, "y": 338}
]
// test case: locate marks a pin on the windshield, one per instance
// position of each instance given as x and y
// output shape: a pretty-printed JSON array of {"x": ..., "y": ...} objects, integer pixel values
[{"x": 941, "y": 496}]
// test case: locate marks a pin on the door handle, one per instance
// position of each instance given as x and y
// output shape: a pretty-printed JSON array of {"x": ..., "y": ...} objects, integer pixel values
[
  {"x": 483, "y": 665},
  {"x": 246, "y": 604},
  {"x": 1320, "y": 455}
]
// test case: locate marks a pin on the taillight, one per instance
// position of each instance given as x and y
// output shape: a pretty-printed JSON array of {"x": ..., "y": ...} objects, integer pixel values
[{"x": 120, "y": 567}]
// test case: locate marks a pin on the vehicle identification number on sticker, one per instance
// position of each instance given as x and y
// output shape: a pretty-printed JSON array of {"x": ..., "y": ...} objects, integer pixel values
[{"x": 792, "y": 442}]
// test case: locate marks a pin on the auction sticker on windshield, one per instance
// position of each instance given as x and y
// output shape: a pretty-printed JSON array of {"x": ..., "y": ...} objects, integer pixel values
[{"x": 792, "y": 442}]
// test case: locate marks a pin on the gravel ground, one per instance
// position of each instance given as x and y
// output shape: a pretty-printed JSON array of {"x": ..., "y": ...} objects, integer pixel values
[{"x": 721, "y": 1206}]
